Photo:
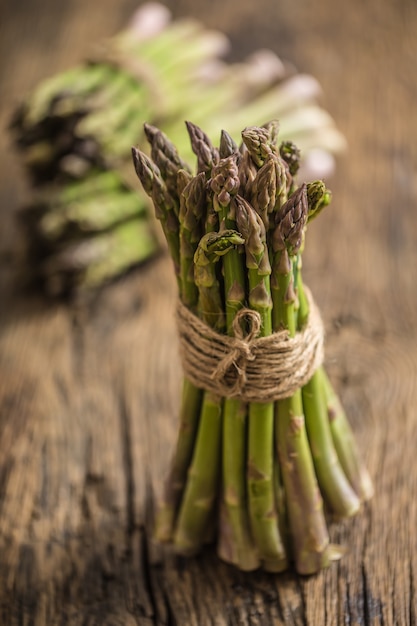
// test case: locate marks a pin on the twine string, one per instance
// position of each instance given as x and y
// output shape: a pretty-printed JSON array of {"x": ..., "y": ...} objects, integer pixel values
[
  {"x": 233, "y": 364},
  {"x": 256, "y": 369}
]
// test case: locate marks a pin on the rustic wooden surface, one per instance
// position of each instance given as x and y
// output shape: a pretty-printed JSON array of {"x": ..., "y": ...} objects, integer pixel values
[{"x": 88, "y": 397}]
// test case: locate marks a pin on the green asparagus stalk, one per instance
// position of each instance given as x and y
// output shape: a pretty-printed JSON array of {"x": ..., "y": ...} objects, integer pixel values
[
  {"x": 77, "y": 80},
  {"x": 310, "y": 540},
  {"x": 93, "y": 215},
  {"x": 106, "y": 118},
  {"x": 290, "y": 153},
  {"x": 345, "y": 443},
  {"x": 56, "y": 202},
  {"x": 192, "y": 211},
  {"x": 235, "y": 542},
  {"x": 343, "y": 479},
  {"x": 207, "y": 154},
  {"x": 199, "y": 497},
  {"x": 269, "y": 189},
  {"x": 260, "y": 143},
  {"x": 154, "y": 185},
  {"x": 192, "y": 203},
  {"x": 166, "y": 207},
  {"x": 228, "y": 147},
  {"x": 165, "y": 156},
  {"x": 192, "y": 199},
  {"x": 333, "y": 483},
  {"x": 272, "y": 179},
  {"x": 247, "y": 173},
  {"x": 100, "y": 183},
  {"x": 91, "y": 262},
  {"x": 262, "y": 506}
]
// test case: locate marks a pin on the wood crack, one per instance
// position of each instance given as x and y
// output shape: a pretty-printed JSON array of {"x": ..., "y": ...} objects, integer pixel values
[
  {"x": 78, "y": 343},
  {"x": 411, "y": 608},
  {"x": 138, "y": 552},
  {"x": 127, "y": 460}
]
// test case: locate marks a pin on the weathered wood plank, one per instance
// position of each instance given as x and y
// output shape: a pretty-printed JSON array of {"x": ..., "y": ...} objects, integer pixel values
[{"x": 88, "y": 396}]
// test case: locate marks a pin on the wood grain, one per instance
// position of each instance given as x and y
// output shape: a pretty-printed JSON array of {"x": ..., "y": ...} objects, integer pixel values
[{"x": 89, "y": 393}]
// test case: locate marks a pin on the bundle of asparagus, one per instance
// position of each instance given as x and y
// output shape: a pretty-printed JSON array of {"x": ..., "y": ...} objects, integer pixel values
[
  {"x": 85, "y": 223},
  {"x": 254, "y": 468}
]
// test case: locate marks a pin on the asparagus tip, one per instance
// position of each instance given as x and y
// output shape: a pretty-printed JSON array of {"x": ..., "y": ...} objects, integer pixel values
[{"x": 150, "y": 132}]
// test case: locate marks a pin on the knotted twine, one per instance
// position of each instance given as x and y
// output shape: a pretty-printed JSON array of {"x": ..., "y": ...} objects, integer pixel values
[{"x": 255, "y": 369}]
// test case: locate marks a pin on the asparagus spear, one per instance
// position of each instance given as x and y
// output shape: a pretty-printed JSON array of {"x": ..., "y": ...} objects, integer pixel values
[
  {"x": 100, "y": 183},
  {"x": 192, "y": 211},
  {"x": 154, "y": 185},
  {"x": 191, "y": 217},
  {"x": 344, "y": 442},
  {"x": 228, "y": 147},
  {"x": 89, "y": 263},
  {"x": 247, "y": 173},
  {"x": 76, "y": 80},
  {"x": 166, "y": 207},
  {"x": 200, "y": 493},
  {"x": 207, "y": 154},
  {"x": 342, "y": 496},
  {"x": 192, "y": 203},
  {"x": 334, "y": 486},
  {"x": 269, "y": 189},
  {"x": 262, "y": 506},
  {"x": 235, "y": 542},
  {"x": 272, "y": 179},
  {"x": 92, "y": 215},
  {"x": 310, "y": 540},
  {"x": 290, "y": 153},
  {"x": 165, "y": 156},
  {"x": 259, "y": 143}
]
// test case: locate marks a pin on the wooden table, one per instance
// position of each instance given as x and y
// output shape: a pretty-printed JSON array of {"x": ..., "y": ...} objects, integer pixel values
[{"x": 89, "y": 396}]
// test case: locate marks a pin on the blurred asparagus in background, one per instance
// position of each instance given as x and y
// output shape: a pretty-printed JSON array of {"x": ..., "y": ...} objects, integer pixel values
[{"x": 85, "y": 223}]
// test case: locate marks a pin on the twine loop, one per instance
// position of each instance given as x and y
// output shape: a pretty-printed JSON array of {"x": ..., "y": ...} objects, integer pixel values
[
  {"x": 233, "y": 365},
  {"x": 253, "y": 368}
]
